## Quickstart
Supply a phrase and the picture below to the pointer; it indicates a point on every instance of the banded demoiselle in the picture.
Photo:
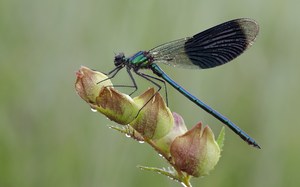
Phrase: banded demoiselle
(210, 48)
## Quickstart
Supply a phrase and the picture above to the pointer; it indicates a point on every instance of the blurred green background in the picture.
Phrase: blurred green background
(50, 137)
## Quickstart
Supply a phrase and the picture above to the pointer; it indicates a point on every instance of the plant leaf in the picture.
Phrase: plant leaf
(221, 138)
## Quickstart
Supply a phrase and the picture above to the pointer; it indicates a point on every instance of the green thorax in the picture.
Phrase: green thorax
(139, 59)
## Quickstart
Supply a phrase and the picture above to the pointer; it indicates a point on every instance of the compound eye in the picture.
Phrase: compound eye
(119, 59)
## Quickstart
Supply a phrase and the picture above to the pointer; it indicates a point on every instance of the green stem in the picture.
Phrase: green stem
(182, 177)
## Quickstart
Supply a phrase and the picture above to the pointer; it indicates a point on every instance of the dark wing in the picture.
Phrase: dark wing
(210, 48)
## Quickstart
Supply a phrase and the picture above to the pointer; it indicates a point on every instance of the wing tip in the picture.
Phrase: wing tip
(250, 28)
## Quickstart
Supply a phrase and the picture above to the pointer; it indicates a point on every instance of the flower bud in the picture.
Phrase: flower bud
(155, 119)
(196, 152)
(178, 129)
(116, 106)
(87, 86)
